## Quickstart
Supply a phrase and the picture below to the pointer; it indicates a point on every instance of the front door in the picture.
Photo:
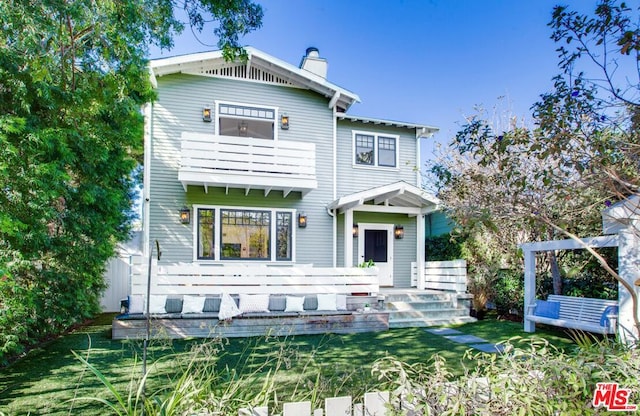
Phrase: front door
(376, 243)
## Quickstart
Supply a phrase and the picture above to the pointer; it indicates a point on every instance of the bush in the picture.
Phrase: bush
(509, 291)
(540, 380)
(443, 248)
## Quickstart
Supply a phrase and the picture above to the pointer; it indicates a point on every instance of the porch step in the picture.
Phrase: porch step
(419, 323)
(413, 308)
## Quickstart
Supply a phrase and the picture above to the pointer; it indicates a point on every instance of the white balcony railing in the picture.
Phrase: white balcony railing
(247, 163)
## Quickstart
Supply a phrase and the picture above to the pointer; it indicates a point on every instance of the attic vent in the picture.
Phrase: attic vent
(240, 71)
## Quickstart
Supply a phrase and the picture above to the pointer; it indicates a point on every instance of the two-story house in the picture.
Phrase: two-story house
(260, 162)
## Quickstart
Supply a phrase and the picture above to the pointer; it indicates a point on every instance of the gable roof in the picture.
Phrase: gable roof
(259, 66)
(399, 194)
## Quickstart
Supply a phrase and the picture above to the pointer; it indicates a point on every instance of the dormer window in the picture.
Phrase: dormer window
(246, 121)
(372, 149)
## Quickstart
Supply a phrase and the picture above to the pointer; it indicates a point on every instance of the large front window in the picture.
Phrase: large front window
(245, 235)
(246, 121)
(226, 233)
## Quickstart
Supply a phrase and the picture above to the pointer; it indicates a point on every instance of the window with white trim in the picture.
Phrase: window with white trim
(372, 149)
(230, 233)
(246, 120)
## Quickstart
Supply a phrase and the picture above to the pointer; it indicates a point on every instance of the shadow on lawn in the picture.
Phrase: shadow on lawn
(46, 379)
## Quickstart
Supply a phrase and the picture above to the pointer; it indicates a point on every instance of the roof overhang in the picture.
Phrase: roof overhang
(203, 63)
(421, 130)
(398, 197)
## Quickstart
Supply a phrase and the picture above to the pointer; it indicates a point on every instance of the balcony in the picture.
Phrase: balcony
(240, 162)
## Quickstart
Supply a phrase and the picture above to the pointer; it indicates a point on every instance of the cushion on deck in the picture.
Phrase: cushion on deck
(294, 304)
(135, 304)
(254, 303)
(327, 302)
(211, 305)
(193, 304)
(173, 305)
(277, 302)
(310, 303)
(547, 309)
(604, 319)
(228, 307)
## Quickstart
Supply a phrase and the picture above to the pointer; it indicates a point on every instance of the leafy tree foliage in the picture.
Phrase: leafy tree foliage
(73, 79)
(555, 177)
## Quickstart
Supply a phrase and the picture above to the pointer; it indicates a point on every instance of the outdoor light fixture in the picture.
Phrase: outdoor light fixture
(206, 114)
(243, 128)
(185, 215)
(302, 220)
(354, 230)
(284, 122)
(398, 232)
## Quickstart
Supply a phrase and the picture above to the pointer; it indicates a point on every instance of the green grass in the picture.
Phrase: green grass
(46, 379)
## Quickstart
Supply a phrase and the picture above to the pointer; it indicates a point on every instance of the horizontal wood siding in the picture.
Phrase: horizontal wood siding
(437, 223)
(353, 179)
(179, 108)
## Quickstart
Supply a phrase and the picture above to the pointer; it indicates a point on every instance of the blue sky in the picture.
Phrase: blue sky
(421, 61)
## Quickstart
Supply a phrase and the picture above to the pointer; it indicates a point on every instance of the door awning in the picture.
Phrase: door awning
(397, 197)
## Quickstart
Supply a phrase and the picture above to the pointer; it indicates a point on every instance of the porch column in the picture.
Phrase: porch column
(348, 238)
(420, 255)
(629, 270)
(529, 286)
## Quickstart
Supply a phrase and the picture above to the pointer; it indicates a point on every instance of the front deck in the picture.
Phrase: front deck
(367, 307)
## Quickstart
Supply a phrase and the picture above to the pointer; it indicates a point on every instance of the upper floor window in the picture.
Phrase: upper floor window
(246, 121)
(371, 149)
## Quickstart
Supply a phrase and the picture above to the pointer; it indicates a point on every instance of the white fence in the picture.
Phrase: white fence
(442, 275)
(189, 279)
(116, 276)
(374, 405)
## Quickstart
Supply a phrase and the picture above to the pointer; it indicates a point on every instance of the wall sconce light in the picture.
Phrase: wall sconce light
(243, 128)
(354, 230)
(302, 220)
(206, 114)
(284, 122)
(185, 215)
(398, 232)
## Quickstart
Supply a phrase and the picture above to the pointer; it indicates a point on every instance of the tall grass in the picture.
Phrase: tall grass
(198, 381)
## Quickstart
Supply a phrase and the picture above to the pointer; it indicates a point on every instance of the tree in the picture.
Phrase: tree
(73, 78)
(582, 154)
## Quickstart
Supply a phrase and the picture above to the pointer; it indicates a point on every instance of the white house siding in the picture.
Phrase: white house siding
(404, 250)
(353, 179)
(179, 108)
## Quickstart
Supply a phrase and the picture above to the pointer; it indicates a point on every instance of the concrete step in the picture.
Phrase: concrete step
(418, 297)
(422, 305)
(426, 322)
(426, 314)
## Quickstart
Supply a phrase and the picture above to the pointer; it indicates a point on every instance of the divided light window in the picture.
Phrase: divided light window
(246, 121)
(375, 150)
(244, 234)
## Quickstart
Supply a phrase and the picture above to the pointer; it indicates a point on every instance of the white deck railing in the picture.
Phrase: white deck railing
(242, 162)
(442, 275)
(188, 279)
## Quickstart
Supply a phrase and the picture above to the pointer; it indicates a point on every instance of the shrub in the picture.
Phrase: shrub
(539, 380)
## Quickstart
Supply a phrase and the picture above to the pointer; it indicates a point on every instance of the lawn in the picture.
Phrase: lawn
(49, 377)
